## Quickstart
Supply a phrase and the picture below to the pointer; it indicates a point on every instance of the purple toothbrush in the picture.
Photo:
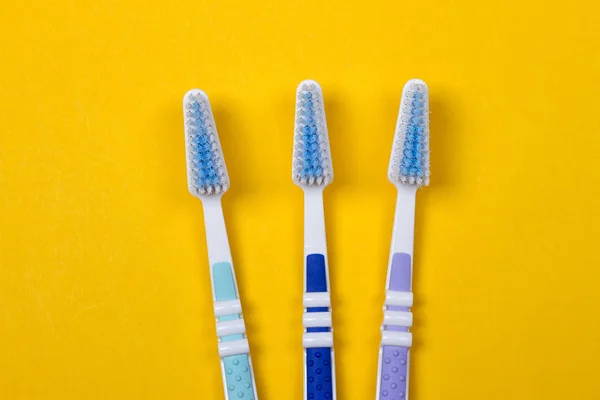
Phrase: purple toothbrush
(408, 170)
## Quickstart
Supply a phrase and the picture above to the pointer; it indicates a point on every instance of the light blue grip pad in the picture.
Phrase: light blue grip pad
(238, 376)
(319, 385)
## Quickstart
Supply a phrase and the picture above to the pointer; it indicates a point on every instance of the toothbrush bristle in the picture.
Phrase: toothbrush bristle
(409, 163)
(206, 171)
(311, 165)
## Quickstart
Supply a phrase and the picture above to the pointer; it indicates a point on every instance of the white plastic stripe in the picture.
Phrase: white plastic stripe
(317, 339)
(317, 319)
(397, 318)
(395, 298)
(392, 338)
(317, 299)
(228, 307)
(233, 327)
(234, 348)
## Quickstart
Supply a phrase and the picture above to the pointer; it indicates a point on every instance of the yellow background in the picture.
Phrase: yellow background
(104, 289)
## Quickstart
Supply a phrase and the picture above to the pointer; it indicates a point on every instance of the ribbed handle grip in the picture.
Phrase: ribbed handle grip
(396, 338)
(318, 336)
(233, 346)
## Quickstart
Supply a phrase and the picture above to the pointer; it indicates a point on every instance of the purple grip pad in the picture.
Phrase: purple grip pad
(394, 360)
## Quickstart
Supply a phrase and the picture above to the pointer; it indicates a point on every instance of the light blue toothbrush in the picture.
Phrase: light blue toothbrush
(208, 180)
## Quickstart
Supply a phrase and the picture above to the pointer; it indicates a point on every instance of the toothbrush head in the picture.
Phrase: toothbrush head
(311, 164)
(409, 163)
(206, 171)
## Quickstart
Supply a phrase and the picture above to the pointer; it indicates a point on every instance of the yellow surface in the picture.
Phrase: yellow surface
(104, 290)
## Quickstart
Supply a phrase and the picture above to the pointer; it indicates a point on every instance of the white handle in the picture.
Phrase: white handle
(216, 233)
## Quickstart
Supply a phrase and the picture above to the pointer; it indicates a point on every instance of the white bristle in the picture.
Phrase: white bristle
(411, 147)
(206, 170)
(311, 165)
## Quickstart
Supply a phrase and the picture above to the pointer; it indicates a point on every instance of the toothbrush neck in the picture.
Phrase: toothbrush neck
(404, 220)
(216, 233)
(314, 222)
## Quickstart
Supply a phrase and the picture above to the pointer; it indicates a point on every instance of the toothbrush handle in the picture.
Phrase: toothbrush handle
(396, 340)
(319, 376)
(234, 351)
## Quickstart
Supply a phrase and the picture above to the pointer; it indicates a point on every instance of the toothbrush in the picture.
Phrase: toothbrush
(408, 170)
(312, 171)
(208, 180)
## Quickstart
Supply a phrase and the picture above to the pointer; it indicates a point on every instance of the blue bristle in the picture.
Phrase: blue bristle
(312, 159)
(205, 159)
(413, 156)
(414, 151)
(311, 163)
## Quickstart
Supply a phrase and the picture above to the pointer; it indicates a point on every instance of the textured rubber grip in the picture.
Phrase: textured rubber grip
(237, 368)
(394, 370)
(393, 379)
(238, 378)
(319, 380)
(319, 360)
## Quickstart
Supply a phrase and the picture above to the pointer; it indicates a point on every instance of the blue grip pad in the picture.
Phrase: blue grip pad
(316, 275)
(319, 385)
(238, 376)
